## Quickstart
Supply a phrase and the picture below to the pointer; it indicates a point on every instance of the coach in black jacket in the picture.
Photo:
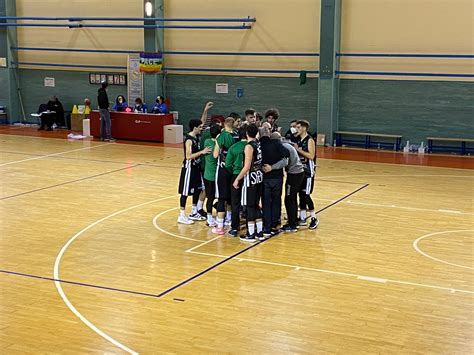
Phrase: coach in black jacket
(273, 152)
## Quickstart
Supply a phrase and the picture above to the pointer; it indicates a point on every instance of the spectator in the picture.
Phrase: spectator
(120, 104)
(56, 106)
(160, 106)
(140, 106)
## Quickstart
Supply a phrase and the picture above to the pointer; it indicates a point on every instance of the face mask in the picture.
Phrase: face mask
(293, 130)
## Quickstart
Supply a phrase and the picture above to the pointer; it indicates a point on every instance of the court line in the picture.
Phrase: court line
(54, 154)
(8, 272)
(299, 267)
(189, 279)
(342, 198)
(417, 248)
(399, 207)
(204, 243)
(93, 160)
(68, 182)
(60, 289)
(332, 272)
(155, 223)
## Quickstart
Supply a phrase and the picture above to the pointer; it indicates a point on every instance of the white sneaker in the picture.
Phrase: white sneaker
(184, 220)
(227, 222)
(197, 217)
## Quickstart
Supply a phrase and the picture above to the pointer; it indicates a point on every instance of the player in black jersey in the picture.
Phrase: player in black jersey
(252, 176)
(306, 149)
(190, 182)
(272, 115)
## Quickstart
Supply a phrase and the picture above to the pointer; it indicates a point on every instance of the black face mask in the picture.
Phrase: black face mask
(157, 101)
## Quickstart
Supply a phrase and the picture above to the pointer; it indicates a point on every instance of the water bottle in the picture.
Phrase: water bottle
(378, 147)
(421, 149)
(406, 149)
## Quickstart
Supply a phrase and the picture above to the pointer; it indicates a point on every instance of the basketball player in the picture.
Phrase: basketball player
(190, 182)
(306, 149)
(210, 166)
(223, 179)
(252, 176)
(234, 163)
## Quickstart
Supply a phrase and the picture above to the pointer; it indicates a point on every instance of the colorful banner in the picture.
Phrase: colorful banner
(151, 62)
(135, 78)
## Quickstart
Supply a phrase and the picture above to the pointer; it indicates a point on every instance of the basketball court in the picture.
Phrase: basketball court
(93, 261)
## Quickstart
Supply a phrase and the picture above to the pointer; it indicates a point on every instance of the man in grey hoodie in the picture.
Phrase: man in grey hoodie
(294, 180)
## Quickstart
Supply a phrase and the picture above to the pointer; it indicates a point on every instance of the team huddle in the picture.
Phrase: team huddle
(237, 168)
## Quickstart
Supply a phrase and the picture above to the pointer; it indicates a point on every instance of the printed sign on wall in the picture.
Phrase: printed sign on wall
(49, 82)
(135, 78)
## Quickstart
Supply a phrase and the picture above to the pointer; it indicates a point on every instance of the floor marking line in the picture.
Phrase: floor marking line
(155, 223)
(68, 182)
(417, 248)
(373, 279)
(341, 199)
(59, 286)
(450, 211)
(204, 243)
(54, 154)
(189, 279)
(394, 206)
(8, 272)
(338, 273)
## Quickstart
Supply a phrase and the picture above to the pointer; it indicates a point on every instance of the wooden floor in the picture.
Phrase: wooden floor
(389, 270)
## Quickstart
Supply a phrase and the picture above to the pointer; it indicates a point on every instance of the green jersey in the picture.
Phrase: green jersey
(225, 141)
(210, 163)
(235, 158)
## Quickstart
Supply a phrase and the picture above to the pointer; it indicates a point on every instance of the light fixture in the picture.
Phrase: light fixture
(148, 8)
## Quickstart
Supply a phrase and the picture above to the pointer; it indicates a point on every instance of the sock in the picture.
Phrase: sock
(259, 226)
(251, 228)
(303, 214)
(313, 214)
(210, 219)
(182, 213)
(194, 209)
(228, 215)
(199, 205)
(220, 222)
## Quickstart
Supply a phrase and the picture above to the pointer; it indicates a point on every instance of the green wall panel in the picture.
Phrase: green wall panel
(189, 93)
(415, 109)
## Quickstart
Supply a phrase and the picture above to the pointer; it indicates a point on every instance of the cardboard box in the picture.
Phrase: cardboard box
(76, 121)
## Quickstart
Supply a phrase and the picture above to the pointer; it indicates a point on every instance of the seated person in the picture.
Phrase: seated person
(46, 115)
(140, 106)
(120, 104)
(55, 105)
(160, 106)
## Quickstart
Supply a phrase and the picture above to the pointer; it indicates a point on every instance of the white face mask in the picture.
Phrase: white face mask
(293, 130)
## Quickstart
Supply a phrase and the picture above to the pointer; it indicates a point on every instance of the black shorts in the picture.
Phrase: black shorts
(223, 184)
(210, 187)
(190, 180)
(307, 185)
(251, 194)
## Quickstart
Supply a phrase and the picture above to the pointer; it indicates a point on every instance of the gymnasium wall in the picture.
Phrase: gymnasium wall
(85, 38)
(281, 26)
(414, 107)
(407, 26)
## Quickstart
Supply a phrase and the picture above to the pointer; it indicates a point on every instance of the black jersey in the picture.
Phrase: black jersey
(308, 164)
(195, 147)
(255, 174)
